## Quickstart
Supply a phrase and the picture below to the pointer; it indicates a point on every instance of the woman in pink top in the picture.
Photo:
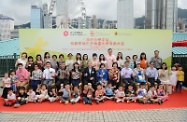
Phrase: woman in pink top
(110, 59)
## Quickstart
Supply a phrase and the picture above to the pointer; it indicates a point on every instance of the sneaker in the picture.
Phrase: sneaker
(103, 101)
(84, 102)
(127, 101)
(97, 102)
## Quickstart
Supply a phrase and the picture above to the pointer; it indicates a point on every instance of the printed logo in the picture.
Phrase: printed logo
(66, 33)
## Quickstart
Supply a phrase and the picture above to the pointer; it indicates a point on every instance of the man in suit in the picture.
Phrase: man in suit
(90, 75)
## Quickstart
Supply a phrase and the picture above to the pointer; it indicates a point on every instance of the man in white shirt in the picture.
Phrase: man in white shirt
(48, 75)
(152, 74)
(127, 74)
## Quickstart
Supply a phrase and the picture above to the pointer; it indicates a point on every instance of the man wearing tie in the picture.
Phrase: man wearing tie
(90, 75)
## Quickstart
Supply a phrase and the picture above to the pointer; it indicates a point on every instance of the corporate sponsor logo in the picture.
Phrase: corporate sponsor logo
(99, 33)
(73, 33)
(122, 34)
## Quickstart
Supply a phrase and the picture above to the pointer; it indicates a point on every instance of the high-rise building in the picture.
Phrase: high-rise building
(125, 14)
(6, 26)
(161, 14)
(94, 22)
(36, 17)
(88, 22)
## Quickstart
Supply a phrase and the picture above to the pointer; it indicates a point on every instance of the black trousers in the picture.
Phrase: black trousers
(61, 81)
(128, 81)
(152, 81)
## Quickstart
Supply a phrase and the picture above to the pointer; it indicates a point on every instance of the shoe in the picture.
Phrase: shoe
(159, 102)
(60, 101)
(90, 102)
(84, 102)
(66, 102)
(103, 101)
(127, 101)
(97, 102)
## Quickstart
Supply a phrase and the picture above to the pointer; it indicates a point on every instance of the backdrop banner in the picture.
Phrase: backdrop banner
(88, 41)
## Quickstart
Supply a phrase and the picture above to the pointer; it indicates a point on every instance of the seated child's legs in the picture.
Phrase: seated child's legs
(85, 99)
(109, 97)
(64, 99)
(164, 98)
(77, 99)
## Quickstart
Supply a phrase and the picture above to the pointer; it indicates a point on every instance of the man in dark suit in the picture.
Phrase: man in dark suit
(90, 75)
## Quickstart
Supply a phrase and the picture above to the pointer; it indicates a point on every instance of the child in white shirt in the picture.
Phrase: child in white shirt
(11, 98)
(120, 94)
(43, 94)
(31, 95)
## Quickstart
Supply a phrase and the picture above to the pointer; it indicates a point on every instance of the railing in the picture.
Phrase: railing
(182, 60)
(7, 63)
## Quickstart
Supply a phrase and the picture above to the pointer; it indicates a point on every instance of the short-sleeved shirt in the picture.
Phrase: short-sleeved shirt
(32, 94)
(151, 93)
(109, 91)
(22, 74)
(110, 60)
(141, 92)
(49, 73)
(99, 92)
(66, 93)
(130, 92)
(37, 75)
(24, 95)
(120, 93)
(180, 75)
(62, 74)
(12, 97)
(7, 82)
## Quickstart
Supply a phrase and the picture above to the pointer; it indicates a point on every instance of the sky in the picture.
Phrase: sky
(19, 10)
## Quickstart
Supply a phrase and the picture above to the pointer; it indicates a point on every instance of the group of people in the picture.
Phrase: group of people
(104, 78)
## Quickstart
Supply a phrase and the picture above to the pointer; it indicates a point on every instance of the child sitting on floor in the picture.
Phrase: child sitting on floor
(14, 80)
(99, 94)
(109, 91)
(142, 93)
(11, 98)
(53, 95)
(31, 95)
(88, 94)
(43, 94)
(161, 93)
(21, 97)
(152, 95)
(66, 94)
(130, 94)
(6, 85)
(120, 94)
(76, 95)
